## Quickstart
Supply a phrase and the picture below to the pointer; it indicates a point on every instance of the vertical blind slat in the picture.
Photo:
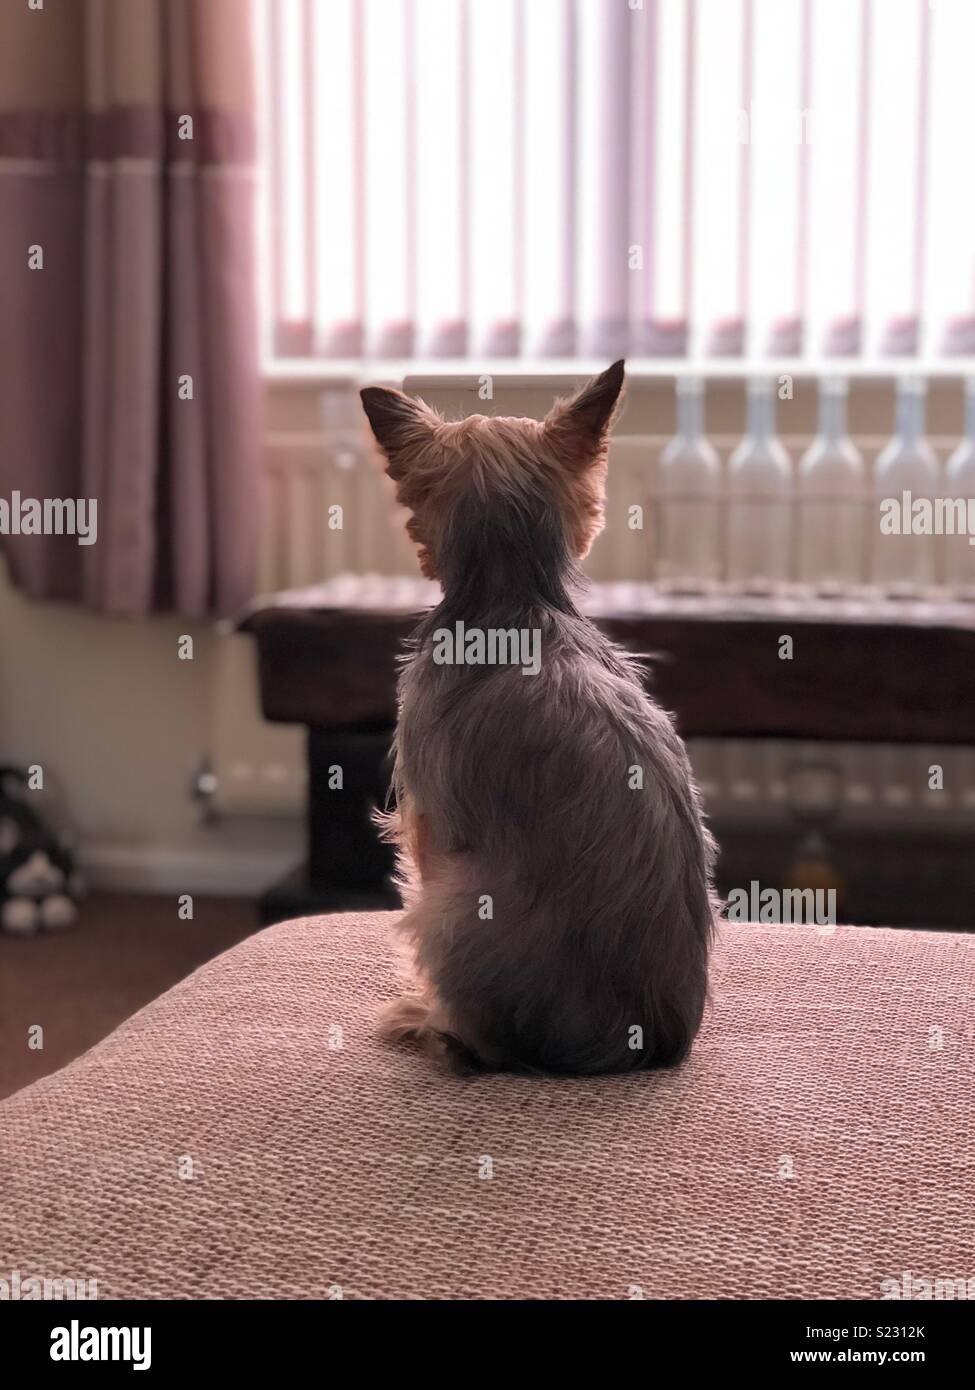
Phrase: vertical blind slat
(735, 341)
(409, 141)
(309, 123)
(439, 211)
(690, 113)
(802, 208)
(644, 170)
(921, 192)
(567, 335)
(359, 168)
(863, 146)
(464, 202)
(603, 250)
(275, 202)
(547, 211)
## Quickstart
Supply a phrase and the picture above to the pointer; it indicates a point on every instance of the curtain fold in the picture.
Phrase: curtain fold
(128, 356)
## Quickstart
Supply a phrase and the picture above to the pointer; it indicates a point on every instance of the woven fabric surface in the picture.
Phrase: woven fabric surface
(246, 1135)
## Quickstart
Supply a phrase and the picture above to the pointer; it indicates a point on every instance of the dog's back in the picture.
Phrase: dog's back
(567, 923)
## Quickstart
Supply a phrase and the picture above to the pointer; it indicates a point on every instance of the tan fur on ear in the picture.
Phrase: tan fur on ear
(407, 432)
(400, 424)
(580, 426)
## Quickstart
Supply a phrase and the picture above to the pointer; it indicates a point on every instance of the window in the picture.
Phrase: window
(587, 178)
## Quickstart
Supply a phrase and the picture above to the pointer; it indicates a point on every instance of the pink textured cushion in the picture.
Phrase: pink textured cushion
(818, 1141)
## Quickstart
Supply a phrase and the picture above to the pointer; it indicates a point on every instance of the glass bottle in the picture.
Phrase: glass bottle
(830, 532)
(907, 470)
(689, 496)
(960, 548)
(759, 497)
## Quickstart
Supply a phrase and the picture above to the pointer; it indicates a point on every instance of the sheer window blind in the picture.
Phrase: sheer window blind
(556, 178)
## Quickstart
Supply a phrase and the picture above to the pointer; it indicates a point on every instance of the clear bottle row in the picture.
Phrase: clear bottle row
(831, 524)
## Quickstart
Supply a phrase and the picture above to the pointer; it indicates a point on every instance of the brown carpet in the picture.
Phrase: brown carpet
(248, 1135)
(81, 984)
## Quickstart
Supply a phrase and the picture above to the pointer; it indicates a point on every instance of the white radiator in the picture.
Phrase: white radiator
(326, 509)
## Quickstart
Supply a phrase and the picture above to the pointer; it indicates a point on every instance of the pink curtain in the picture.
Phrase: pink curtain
(128, 353)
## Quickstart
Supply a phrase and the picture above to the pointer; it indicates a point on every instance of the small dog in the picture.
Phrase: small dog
(563, 913)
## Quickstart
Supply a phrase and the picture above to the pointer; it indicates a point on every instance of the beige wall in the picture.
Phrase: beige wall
(106, 704)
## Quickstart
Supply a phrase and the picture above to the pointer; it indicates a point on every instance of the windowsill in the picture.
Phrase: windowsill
(647, 371)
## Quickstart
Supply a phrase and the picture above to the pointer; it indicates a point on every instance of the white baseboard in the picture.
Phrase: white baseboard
(215, 863)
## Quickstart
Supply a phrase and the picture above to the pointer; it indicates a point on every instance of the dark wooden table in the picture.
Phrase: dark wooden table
(868, 669)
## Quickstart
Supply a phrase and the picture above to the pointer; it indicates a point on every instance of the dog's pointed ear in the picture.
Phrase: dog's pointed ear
(580, 425)
(399, 422)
